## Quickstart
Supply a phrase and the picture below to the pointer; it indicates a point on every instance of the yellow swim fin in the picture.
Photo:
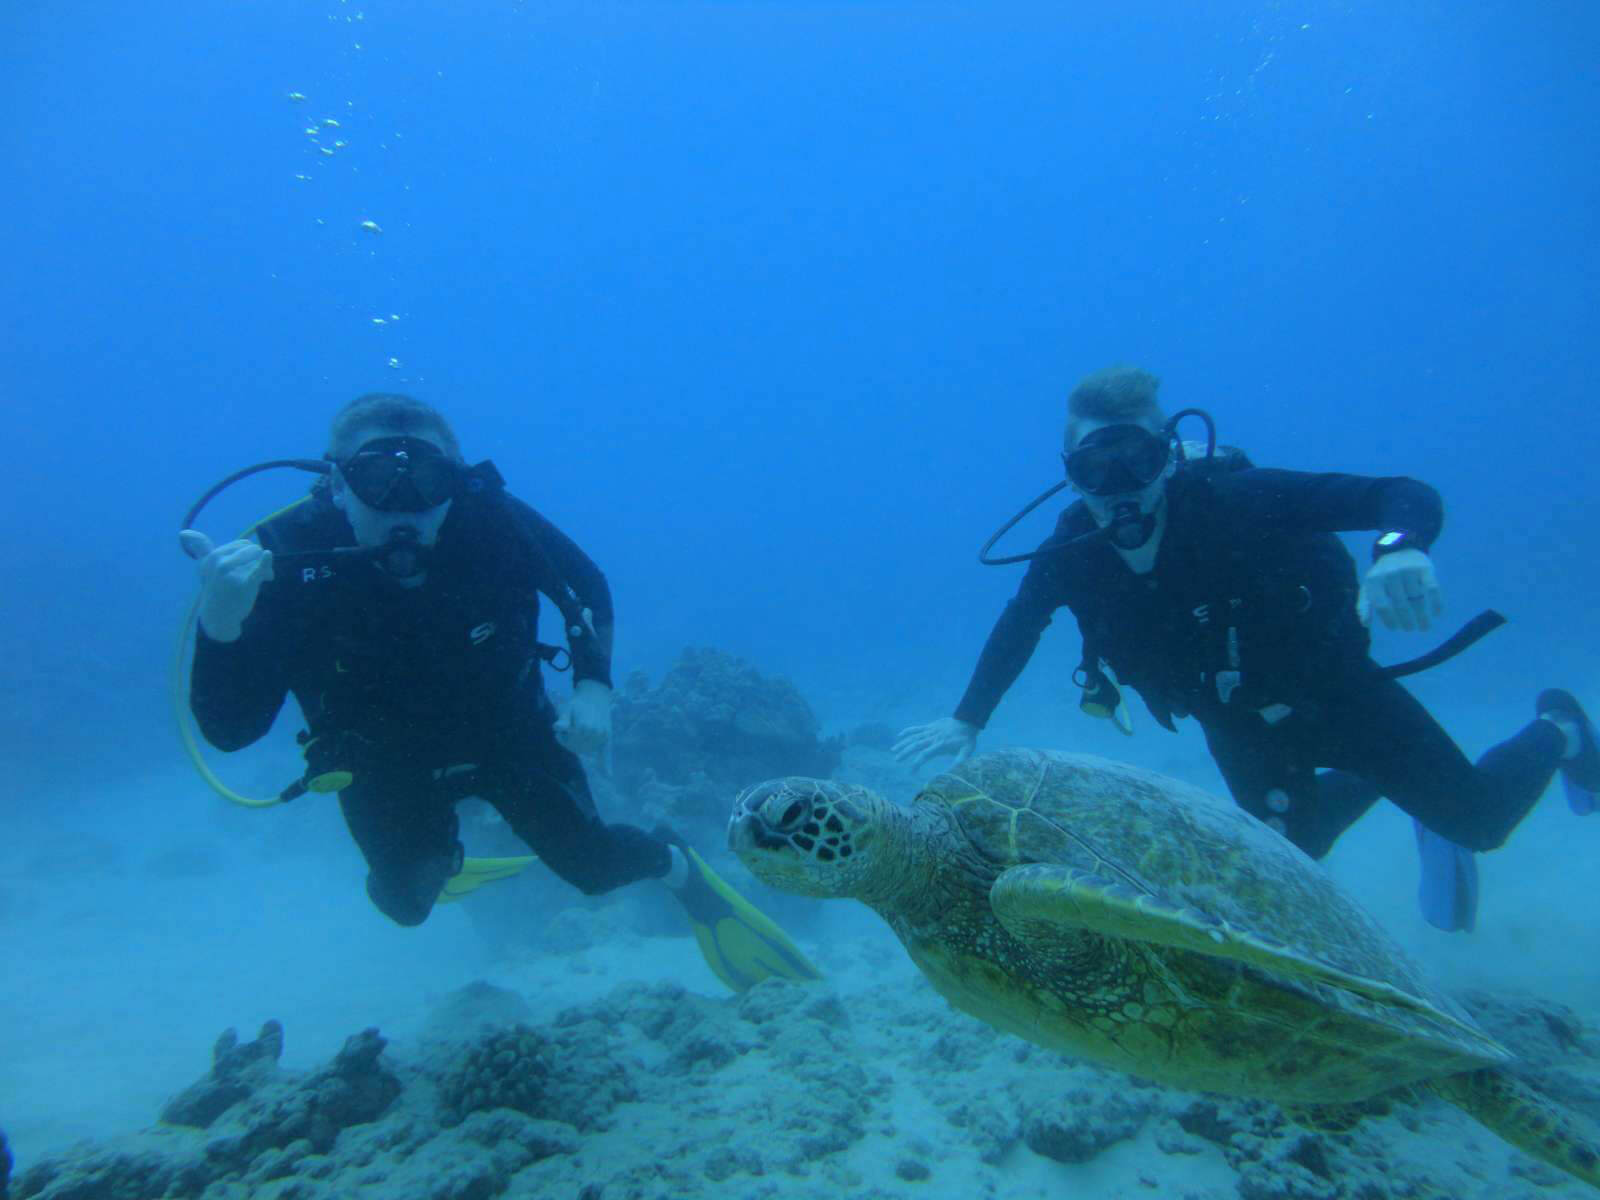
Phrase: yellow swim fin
(475, 872)
(742, 945)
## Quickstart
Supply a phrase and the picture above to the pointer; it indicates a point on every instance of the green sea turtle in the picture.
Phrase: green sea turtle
(1126, 918)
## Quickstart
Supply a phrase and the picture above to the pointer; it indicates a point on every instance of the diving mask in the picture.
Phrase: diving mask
(401, 474)
(1118, 459)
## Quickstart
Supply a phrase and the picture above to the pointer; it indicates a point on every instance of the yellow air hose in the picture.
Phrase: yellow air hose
(180, 698)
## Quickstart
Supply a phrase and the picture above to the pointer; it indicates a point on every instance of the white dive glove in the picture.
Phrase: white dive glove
(231, 576)
(948, 735)
(1401, 588)
(584, 726)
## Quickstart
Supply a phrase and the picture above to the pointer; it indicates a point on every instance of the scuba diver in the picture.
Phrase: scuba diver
(1219, 590)
(399, 604)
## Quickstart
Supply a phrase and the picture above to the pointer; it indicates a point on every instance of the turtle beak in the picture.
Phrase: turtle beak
(741, 833)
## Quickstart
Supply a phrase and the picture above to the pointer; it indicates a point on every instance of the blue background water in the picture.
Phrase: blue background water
(774, 307)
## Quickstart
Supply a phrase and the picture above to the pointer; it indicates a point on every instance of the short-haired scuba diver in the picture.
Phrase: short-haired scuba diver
(399, 604)
(1219, 590)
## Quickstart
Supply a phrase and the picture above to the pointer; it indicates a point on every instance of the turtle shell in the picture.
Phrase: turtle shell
(1166, 839)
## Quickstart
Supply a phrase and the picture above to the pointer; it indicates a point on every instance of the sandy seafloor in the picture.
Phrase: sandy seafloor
(126, 953)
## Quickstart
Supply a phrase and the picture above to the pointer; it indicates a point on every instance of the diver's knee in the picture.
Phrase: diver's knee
(1316, 845)
(589, 873)
(407, 906)
(1481, 841)
(589, 882)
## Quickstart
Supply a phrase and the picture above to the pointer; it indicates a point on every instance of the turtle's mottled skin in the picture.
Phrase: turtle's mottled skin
(1126, 918)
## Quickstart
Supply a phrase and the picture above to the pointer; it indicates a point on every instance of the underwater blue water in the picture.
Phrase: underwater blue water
(774, 306)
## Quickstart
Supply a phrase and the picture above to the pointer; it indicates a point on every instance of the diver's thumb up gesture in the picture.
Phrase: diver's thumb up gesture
(230, 577)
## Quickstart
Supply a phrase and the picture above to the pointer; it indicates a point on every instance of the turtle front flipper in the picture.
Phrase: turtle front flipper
(1527, 1119)
(1056, 896)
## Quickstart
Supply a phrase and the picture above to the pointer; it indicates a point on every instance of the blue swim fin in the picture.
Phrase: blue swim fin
(1580, 775)
(1580, 799)
(1448, 891)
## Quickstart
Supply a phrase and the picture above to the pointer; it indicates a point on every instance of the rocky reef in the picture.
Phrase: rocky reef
(244, 1125)
(711, 726)
(655, 1093)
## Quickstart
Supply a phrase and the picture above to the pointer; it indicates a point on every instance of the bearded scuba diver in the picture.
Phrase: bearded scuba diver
(1219, 590)
(398, 602)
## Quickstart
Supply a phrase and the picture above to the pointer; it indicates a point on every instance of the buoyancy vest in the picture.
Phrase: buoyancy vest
(1230, 618)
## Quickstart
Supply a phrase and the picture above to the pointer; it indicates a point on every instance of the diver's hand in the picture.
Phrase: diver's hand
(585, 726)
(948, 735)
(1402, 590)
(231, 576)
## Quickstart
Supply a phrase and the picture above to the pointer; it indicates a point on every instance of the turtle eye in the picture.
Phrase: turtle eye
(790, 818)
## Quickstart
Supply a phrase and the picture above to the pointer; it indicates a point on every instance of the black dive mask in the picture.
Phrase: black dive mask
(401, 474)
(1118, 459)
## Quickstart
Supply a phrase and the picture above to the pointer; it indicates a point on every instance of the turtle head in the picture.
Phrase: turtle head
(809, 836)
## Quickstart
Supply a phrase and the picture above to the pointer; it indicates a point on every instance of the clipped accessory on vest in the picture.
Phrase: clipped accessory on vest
(330, 762)
(557, 658)
(1229, 679)
(1102, 698)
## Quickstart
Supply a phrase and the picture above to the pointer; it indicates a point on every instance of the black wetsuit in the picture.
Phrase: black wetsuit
(1251, 605)
(407, 687)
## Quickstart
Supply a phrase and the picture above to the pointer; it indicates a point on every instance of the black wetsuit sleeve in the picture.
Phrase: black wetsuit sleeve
(1016, 634)
(236, 688)
(1302, 502)
(572, 568)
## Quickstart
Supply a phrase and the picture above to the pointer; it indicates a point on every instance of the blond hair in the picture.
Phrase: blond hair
(391, 411)
(1114, 396)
